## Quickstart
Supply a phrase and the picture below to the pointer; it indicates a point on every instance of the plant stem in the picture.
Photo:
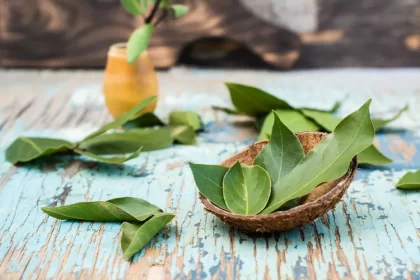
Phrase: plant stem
(163, 15)
(153, 12)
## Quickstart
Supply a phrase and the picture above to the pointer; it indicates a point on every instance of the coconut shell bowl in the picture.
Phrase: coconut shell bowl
(322, 199)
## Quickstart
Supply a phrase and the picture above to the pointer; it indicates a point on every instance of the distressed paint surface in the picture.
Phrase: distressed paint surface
(373, 233)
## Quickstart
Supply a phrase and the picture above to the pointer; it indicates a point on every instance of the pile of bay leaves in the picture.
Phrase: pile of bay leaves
(257, 103)
(130, 133)
(141, 220)
(281, 172)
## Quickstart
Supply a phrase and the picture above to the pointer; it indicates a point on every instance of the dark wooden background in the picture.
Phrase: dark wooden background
(77, 33)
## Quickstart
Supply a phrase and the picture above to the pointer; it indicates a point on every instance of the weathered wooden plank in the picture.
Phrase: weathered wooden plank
(363, 34)
(78, 34)
(373, 233)
(60, 33)
(327, 33)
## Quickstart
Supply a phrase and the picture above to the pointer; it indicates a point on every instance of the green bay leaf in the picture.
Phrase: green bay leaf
(25, 149)
(124, 118)
(324, 119)
(184, 134)
(209, 181)
(381, 123)
(253, 101)
(246, 189)
(294, 120)
(371, 155)
(138, 42)
(179, 10)
(228, 111)
(328, 160)
(337, 105)
(328, 121)
(138, 208)
(282, 153)
(121, 209)
(185, 118)
(129, 141)
(410, 181)
(135, 236)
(145, 120)
(133, 7)
(112, 160)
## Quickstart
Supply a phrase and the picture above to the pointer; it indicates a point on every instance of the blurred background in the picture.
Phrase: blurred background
(268, 34)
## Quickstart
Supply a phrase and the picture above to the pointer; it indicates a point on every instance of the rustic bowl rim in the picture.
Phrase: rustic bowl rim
(340, 187)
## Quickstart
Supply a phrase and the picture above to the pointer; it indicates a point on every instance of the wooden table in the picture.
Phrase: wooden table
(373, 233)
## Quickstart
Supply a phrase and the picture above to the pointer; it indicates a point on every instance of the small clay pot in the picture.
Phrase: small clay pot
(317, 203)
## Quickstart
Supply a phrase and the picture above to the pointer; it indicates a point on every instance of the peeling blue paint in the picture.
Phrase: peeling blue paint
(373, 232)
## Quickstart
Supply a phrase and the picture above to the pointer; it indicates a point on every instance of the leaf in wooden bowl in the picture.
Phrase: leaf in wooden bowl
(330, 161)
(246, 189)
(317, 203)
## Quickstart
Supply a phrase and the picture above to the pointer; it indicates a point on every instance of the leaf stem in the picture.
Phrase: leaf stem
(153, 12)
(162, 17)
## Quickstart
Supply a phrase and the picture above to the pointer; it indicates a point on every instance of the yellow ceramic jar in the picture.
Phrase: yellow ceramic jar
(127, 84)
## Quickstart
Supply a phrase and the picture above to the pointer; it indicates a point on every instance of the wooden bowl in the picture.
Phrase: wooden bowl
(317, 203)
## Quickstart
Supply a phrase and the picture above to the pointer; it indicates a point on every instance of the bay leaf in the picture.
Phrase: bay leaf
(292, 119)
(178, 10)
(184, 134)
(381, 123)
(246, 189)
(337, 105)
(209, 181)
(135, 236)
(139, 208)
(410, 181)
(329, 121)
(129, 141)
(133, 7)
(143, 121)
(282, 153)
(325, 119)
(121, 209)
(112, 160)
(139, 41)
(328, 160)
(189, 118)
(371, 155)
(228, 111)
(144, 4)
(124, 118)
(25, 149)
(253, 101)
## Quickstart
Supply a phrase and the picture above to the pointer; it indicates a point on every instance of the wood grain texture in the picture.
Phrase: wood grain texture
(361, 33)
(213, 18)
(373, 233)
(61, 33)
(78, 33)
(334, 33)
